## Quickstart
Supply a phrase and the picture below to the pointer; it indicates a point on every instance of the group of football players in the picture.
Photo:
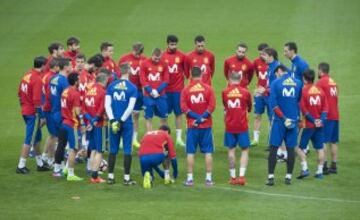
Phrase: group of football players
(96, 102)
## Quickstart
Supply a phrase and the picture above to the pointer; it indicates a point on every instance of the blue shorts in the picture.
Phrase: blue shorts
(316, 135)
(242, 139)
(139, 101)
(54, 123)
(260, 104)
(331, 131)
(173, 102)
(31, 123)
(50, 125)
(150, 162)
(126, 134)
(279, 133)
(156, 106)
(95, 139)
(199, 136)
(72, 136)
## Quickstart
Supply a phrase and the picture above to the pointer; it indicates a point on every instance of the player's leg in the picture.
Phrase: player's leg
(161, 109)
(136, 115)
(59, 153)
(29, 130)
(127, 134)
(207, 147)
(191, 144)
(149, 105)
(290, 143)
(145, 170)
(50, 144)
(259, 108)
(318, 143)
(277, 132)
(41, 166)
(96, 154)
(304, 141)
(230, 143)
(72, 140)
(114, 149)
(334, 147)
(174, 106)
(244, 142)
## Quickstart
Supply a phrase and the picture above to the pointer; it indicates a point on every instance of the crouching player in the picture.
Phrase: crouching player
(156, 148)
(94, 113)
(120, 100)
(314, 108)
(70, 112)
(237, 103)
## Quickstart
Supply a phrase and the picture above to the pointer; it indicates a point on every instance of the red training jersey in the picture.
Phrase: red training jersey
(157, 142)
(86, 80)
(94, 102)
(206, 62)
(152, 74)
(242, 66)
(70, 99)
(72, 56)
(331, 90)
(30, 91)
(46, 90)
(198, 97)
(237, 103)
(174, 66)
(135, 65)
(111, 66)
(313, 102)
(261, 67)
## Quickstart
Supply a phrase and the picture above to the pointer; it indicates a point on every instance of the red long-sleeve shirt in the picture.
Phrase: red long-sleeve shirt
(244, 67)
(205, 61)
(153, 74)
(30, 91)
(331, 90)
(156, 142)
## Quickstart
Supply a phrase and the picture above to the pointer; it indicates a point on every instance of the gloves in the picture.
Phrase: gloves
(115, 126)
(289, 123)
(154, 93)
(175, 167)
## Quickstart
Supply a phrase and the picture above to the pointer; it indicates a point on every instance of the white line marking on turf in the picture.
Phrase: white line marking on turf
(287, 195)
(293, 196)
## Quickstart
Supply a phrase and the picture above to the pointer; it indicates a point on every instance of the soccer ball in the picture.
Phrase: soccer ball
(103, 165)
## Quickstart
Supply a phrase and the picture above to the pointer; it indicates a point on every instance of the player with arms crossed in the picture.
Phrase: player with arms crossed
(285, 94)
(29, 93)
(314, 109)
(135, 58)
(237, 103)
(198, 103)
(120, 100)
(331, 126)
(174, 65)
(157, 148)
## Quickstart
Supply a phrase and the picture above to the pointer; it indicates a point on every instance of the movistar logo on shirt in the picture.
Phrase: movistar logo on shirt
(289, 82)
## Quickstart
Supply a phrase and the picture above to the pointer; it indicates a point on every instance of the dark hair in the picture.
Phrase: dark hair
(104, 71)
(195, 72)
(63, 62)
(81, 56)
(124, 68)
(72, 40)
(172, 38)
(309, 75)
(54, 63)
(324, 67)
(156, 52)
(54, 46)
(282, 68)
(73, 78)
(243, 45)
(97, 60)
(39, 61)
(165, 128)
(138, 47)
(262, 46)
(291, 46)
(199, 38)
(271, 52)
(105, 45)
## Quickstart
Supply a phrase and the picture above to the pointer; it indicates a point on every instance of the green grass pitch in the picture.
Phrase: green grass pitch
(324, 31)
